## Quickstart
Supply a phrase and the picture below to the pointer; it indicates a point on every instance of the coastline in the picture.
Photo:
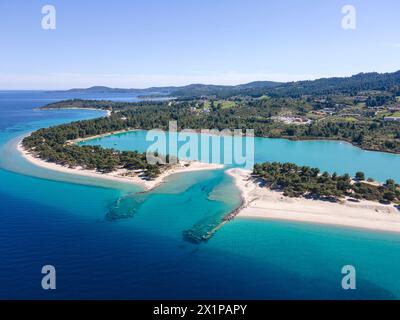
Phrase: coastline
(101, 135)
(121, 175)
(108, 112)
(337, 140)
(263, 203)
(343, 140)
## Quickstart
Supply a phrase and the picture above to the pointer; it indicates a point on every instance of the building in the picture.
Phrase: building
(292, 120)
(391, 119)
(329, 111)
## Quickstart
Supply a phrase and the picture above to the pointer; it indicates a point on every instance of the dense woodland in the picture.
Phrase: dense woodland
(347, 85)
(303, 181)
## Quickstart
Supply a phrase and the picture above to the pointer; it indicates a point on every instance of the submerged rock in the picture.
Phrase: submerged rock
(125, 207)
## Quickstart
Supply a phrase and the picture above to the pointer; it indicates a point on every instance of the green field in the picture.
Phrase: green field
(225, 104)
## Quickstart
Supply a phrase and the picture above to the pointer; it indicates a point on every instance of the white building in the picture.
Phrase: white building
(391, 119)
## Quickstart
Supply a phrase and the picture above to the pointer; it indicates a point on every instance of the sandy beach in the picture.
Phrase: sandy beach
(108, 112)
(75, 141)
(264, 203)
(122, 175)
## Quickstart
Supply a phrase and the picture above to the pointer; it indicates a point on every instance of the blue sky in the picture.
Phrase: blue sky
(123, 43)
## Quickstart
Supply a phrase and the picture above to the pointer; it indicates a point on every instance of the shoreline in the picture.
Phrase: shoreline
(370, 149)
(263, 203)
(102, 135)
(121, 175)
(108, 112)
(337, 140)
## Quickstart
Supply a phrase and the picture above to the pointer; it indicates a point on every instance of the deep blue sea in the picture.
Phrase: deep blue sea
(61, 220)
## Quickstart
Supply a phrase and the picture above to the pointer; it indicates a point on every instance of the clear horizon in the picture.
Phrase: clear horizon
(131, 44)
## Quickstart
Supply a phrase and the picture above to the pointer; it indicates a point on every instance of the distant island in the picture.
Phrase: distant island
(161, 91)
(351, 86)
(184, 91)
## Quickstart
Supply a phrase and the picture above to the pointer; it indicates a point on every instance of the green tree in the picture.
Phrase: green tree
(360, 176)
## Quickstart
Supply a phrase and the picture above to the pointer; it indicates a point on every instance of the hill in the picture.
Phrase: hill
(387, 82)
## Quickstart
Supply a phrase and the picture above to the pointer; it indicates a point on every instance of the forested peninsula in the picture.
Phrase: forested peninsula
(363, 110)
(52, 145)
(304, 181)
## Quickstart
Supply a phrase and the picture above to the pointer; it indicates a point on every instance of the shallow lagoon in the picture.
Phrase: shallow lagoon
(329, 156)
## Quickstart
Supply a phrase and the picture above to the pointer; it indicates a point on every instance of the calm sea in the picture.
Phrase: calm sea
(57, 219)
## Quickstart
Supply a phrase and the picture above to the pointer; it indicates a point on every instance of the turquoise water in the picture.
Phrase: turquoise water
(51, 218)
(329, 156)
